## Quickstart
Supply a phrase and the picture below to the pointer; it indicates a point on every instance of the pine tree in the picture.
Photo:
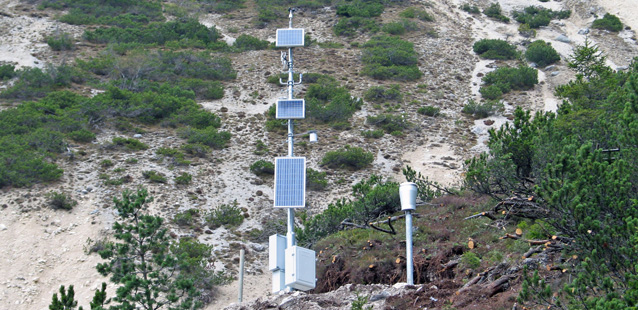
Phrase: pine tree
(67, 300)
(141, 260)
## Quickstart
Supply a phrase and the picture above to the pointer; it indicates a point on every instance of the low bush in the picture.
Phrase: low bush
(413, 12)
(208, 136)
(260, 148)
(175, 155)
(507, 79)
(491, 92)
(389, 122)
(481, 110)
(262, 167)
(383, 94)
(395, 28)
(154, 176)
(348, 27)
(315, 180)
(472, 9)
(81, 135)
(494, 11)
(116, 13)
(360, 8)
(541, 53)
(196, 149)
(182, 33)
(470, 260)
(373, 134)
(373, 197)
(106, 163)
(429, 111)
(387, 57)
(328, 102)
(36, 83)
(186, 218)
(536, 17)
(7, 72)
(526, 31)
(247, 42)
(495, 49)
(354, 158)
(61, 201)
(227, 215)
(608, 22)
(129, 143)
(60, 42)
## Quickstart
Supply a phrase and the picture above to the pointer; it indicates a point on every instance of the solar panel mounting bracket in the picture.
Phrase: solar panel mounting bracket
(293, 82)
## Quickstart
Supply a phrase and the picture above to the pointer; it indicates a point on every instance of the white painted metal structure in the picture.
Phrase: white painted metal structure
(407, 194)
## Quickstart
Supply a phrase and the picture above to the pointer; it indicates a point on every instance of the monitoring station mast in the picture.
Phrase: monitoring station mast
(293, 267)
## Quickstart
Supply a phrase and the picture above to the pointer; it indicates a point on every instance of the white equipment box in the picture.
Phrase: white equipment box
(300, 268)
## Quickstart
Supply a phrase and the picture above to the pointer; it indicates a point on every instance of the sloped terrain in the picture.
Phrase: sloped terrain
(45, 248)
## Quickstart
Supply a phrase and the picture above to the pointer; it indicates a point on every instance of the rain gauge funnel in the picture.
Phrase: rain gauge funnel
(407, 194)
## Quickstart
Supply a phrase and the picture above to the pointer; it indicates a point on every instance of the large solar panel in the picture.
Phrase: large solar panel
(290, 37)
(290, 182)
(290, 109)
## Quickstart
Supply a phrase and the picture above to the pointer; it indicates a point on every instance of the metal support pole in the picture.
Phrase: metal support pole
(241, 274)
(408, 246)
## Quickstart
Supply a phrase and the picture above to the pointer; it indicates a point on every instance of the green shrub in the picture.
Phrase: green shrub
(470, 260)
(328, 102)
(429, 111)
(315, 180)
(7, 72)
(82, 136)
(61, 201)
(387, 57)
(383, 94)
(60, 42)
(154, 176)
(208, 136)
(494, 11)
(260, 148)
(373, 198)
(389, 122)
(184, 32)
(176, 156)
(35, 82)
(507, 79)
(526, 31)
(227, 215)
(491, 92)
(262, 167)
(542, 53)
(608, 22)
(481, 110)
(348, 27)
(184, 178)
(360, 8)
(106, 163)
(354, 158)
(373, 134)
(395, 28)
(495, 49)
(186, 218)
(472, 9)
(246, 42)
(413, 12)
(536, 17)
(129, 143)
(116, 13)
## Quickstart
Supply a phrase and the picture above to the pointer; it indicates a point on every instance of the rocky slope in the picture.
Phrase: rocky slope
(43, 248)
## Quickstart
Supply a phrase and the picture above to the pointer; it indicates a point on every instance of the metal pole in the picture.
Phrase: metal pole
(290, 234)
(241, 274)
(408, 246)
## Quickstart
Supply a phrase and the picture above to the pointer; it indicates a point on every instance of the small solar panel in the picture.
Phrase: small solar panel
(291, 109)
(290, 37)
(290, 182)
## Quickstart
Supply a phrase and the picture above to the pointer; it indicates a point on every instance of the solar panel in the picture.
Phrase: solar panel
(290, 182)
(290, 109)
(290, 37)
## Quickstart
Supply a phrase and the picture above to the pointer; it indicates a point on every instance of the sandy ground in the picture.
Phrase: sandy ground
(42, 248)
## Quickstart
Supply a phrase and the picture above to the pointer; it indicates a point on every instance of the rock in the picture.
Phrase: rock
(89, 189)
(3, 227)
(563, 38)
(380, 296)
(550, 67)
(258, 247)
(583, 31)
(555, 73)
(137, 136)
(622, 68)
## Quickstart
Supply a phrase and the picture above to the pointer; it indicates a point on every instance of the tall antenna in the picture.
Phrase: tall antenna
(293, 267)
